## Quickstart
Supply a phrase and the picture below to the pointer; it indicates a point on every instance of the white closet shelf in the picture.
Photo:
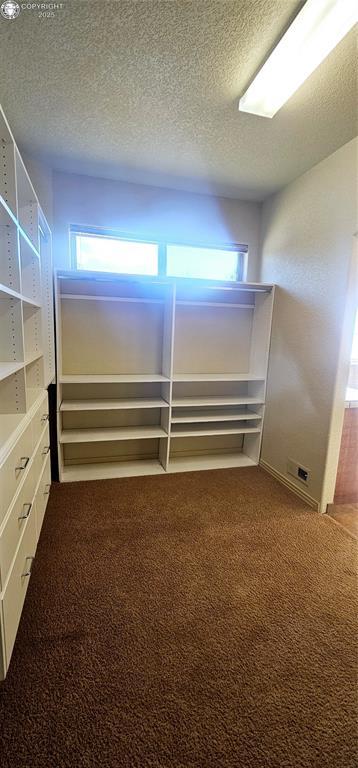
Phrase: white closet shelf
(227, 304)
(112, 378)
(181, 430)
(112, 433)
(126, 299)
(188, 402)
(9, 293)
(203, 415)
(217, 377)
(209, 461)
(7, 369)
(113, 405)
(107, 470)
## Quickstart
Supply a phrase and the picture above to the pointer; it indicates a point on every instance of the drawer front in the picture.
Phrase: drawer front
(39, 419)
(15, 592)
(12, 471)
(14, 524)
(42, 495)
(42, 452)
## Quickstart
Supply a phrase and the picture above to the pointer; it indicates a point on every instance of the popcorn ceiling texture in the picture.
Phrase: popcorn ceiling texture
(200, 620)
(148, 92)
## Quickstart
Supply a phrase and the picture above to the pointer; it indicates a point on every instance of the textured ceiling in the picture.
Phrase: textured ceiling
(147, 90)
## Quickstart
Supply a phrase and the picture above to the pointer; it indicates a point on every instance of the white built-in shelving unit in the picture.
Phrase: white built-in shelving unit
(158, 376)
(27, 366)
(27, 363)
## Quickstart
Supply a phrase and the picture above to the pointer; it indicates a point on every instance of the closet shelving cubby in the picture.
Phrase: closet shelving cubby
(157, 375)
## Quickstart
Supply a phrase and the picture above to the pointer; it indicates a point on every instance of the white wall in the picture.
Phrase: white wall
(152, 211)
(307, 234)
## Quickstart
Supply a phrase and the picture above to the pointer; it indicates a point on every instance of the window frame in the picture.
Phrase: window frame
(114, 234)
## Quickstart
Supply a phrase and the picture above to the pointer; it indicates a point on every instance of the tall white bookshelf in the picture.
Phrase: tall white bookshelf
(158, 376)
(27, 366)
(27, 360)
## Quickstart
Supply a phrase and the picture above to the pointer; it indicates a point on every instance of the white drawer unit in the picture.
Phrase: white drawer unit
(26, 370)
(15, 522)
(16, 587)
(22, 522)
(13, 468)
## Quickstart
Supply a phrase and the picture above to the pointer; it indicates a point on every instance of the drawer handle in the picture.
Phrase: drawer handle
(45, 417)
(24, 462)
(26, 509)
(47, 489)
(45, 450)
(28, 572)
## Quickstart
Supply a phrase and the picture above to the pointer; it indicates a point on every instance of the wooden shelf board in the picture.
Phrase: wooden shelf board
(102, 471)
(206, 431)
(112, 378)
(188, 402)
(177, 377)
(113, 405)
(209, 461)
(7, 369)
(202, 415)
(111, 433)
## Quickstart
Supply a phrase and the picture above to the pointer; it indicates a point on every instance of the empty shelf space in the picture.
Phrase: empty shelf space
(182, 430)
(187, 417)
(188, 402)
(113, 405)
(7, 369)
(217, 377)
(102, 470)
(210, 461)
(134, 378)
(117, 433)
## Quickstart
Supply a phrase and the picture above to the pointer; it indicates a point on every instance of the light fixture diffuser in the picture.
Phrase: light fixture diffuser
(316, 30)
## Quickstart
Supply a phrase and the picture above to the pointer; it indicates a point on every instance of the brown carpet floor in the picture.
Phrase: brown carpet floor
(185, 621)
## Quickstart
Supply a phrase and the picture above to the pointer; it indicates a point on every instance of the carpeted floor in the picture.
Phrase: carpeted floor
(204, 620)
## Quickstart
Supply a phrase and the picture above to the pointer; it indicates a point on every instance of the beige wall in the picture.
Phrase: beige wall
(307, 234)
(152, 211)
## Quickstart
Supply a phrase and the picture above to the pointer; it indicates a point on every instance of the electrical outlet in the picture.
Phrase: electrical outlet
(298, 471)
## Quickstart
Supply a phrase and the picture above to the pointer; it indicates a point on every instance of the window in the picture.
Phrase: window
(108, 252)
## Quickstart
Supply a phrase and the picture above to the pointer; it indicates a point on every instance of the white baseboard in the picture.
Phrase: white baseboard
(290, 485)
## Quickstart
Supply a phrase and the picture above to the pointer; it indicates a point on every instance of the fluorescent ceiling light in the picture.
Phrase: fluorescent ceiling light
(313, 34)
